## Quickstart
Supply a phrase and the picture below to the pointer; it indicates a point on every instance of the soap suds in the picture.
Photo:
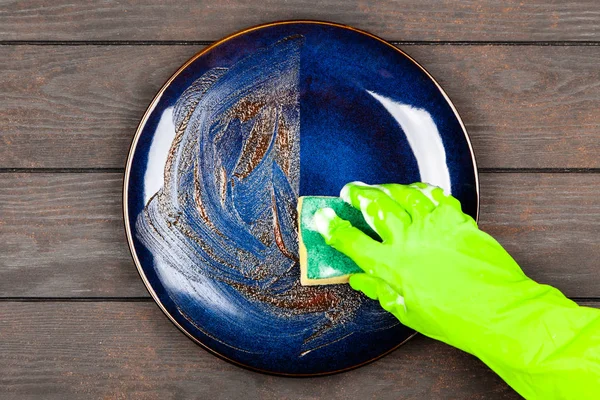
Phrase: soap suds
(322, 219)
(427, 191)
(326, 271)
(364, 203)
(345, 192)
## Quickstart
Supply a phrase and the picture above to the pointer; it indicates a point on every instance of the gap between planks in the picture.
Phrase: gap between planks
(480, 170)
(209, 42)
(589, 301)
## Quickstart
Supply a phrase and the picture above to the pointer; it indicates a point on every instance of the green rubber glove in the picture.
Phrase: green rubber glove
(442, 276)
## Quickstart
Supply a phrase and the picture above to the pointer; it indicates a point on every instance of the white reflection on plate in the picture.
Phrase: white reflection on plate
(424, 140)
(157, 155)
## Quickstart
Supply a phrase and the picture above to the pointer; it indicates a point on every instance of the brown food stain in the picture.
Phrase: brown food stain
(257, 144)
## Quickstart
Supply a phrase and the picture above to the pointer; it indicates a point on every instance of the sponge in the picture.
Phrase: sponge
(320, 264)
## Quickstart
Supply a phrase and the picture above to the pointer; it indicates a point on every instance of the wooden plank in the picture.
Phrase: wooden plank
(115, 350)
(78, 106)
(204, 20)
(550, 224)
(61, 234)
(525, 107)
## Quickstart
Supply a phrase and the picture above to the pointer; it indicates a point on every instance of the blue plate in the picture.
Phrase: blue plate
(226, 147)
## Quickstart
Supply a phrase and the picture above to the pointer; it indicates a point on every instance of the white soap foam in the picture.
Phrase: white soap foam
(345, 192)
(322, 220)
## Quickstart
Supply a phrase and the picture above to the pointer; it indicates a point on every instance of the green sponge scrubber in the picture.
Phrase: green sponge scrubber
(321, 264)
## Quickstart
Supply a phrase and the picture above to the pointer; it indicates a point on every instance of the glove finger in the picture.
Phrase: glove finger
(342, 236)
(449, 209)
(365, 283)
(440, 197)
(389, 298)
(380, 211)
(416, 203)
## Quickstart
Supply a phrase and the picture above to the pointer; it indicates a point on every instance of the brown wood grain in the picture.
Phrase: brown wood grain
(79, 106)
(61, 234)
(394, 20)
(116, 350)
(75, 87)
(550, 223)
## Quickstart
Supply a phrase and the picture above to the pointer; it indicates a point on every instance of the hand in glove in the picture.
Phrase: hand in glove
(442, 276)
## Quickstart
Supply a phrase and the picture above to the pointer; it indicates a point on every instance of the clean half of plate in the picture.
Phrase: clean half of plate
(229, 143)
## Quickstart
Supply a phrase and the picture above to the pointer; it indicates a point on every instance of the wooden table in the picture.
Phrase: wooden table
(75, 78)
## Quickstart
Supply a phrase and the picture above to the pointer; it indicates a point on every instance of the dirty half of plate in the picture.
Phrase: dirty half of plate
(225, 149)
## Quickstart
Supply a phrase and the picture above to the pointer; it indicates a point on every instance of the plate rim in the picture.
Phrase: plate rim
(150, 109)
